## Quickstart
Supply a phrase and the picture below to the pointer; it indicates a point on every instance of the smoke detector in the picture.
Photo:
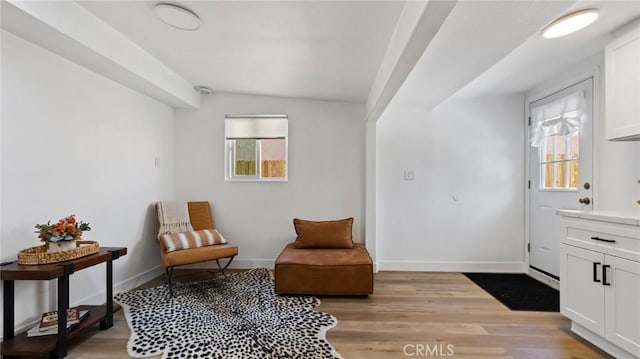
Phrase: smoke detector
(204, 90)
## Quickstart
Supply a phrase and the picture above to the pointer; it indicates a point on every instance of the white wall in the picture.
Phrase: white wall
(371, 192)
(326, 171)
(616, 163)
(74, 142)
(471, 149)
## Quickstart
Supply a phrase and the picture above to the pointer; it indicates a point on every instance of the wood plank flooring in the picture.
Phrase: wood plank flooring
(411, 315)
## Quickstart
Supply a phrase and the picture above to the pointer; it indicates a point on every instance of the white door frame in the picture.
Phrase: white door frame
(546, 89)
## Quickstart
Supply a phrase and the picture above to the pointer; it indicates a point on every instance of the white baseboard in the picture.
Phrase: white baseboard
(425, 266)
(123, 286)
(236, 264)
(98, 298)
(133, 282)
(246, 264)
(419, 266)
(551, 282)
(138, 280)
(253, 263)
(600, 342)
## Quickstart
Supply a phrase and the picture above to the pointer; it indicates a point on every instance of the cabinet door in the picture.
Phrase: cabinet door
(622, 85)
(622, 304)
(581, 297)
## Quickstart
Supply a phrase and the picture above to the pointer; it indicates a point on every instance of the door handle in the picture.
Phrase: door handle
(595, 272)
(604, 274)
(585, 200)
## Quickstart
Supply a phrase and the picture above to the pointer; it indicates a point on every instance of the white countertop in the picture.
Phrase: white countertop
(622, 217)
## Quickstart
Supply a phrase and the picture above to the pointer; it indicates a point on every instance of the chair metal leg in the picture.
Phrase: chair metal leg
(221, 270)
(169, 271)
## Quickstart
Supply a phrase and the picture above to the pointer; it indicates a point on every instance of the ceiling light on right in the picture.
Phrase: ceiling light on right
(570, 23)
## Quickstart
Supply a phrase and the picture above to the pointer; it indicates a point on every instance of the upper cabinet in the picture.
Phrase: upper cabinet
(622, 78)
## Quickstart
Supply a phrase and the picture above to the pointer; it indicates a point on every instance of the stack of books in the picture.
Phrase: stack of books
(49, 323)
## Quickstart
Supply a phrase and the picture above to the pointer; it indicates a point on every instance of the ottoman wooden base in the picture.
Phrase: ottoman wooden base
(324, 271)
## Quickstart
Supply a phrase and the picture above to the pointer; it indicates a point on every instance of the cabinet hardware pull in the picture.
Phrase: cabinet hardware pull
(595, 272)
(604, 274)
(604, 240)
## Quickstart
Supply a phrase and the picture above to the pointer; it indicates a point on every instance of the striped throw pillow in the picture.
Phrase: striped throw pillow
(192, 239)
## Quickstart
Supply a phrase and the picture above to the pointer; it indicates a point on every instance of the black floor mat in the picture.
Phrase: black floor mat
(518, 291)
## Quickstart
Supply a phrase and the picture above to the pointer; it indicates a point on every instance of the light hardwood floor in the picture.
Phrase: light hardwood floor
(409, 315)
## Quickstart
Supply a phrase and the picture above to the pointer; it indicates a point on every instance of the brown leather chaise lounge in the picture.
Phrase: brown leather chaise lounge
(324, 261)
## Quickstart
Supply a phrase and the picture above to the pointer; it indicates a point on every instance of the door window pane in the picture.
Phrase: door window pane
(560, 161)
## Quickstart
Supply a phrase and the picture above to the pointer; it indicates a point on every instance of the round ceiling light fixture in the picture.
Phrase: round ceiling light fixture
(177, 16)
(204, 90)
(570, 23)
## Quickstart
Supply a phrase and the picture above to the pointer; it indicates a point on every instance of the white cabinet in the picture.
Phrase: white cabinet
(581, 299)
(622, 84)
(622, 304)
(600, 280)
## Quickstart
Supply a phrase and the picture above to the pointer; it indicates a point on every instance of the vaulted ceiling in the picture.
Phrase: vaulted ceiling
(311, 49)
(373, 52)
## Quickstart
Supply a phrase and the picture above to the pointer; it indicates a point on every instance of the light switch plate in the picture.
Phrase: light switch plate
(409, 175)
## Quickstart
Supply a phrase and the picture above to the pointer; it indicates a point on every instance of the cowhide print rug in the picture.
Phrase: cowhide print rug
(239, 316)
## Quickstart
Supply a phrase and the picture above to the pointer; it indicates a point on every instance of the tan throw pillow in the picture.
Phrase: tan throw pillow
(325, 234)
(192, 239)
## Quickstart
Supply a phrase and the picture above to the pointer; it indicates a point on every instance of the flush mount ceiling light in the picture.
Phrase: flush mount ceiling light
(177, 16)
(570, 23)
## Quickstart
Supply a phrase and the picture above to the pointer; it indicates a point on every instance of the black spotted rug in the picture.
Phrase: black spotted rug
(239, 316)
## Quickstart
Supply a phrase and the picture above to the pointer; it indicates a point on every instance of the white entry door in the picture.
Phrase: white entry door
(561, 156)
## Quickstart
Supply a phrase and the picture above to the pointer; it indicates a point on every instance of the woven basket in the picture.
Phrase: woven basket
(39, 254)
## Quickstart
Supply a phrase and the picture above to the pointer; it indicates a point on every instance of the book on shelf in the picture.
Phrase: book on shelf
(49, 323)
(50, 319)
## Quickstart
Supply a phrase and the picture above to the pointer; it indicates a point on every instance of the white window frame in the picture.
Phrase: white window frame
(257, 127)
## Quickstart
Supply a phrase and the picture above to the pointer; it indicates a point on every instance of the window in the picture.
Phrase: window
(559, 161)
(556, 133)
(256, 148)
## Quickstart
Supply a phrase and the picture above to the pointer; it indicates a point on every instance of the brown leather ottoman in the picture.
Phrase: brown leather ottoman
(324, 271)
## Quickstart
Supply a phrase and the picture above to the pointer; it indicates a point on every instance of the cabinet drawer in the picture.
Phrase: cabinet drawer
(616, 240)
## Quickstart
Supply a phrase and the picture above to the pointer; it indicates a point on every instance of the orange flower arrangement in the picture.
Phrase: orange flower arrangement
(67, 229)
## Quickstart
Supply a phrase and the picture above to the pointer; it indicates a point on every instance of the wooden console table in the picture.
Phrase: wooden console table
(55, 345)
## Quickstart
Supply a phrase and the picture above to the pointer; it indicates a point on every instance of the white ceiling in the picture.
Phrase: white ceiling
(495, 47)
(538, 59)
(475, 36)
(327, 50)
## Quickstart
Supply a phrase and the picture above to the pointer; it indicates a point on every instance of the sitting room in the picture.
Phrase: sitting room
(320, 179)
